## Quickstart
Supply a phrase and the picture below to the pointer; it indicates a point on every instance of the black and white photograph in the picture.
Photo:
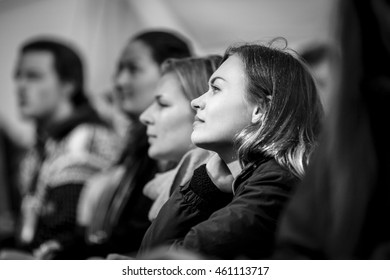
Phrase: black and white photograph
(246, 136)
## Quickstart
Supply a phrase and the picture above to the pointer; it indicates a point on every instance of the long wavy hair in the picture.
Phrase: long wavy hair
(282, 86)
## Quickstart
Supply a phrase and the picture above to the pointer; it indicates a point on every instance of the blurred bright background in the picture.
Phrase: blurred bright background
(100, 28)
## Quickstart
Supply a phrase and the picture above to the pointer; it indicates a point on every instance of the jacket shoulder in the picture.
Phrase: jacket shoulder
(269, 174)
(94, 139)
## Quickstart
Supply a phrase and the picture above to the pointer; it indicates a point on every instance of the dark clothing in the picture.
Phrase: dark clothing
(53, 173)
(201, 218)
(60, 225)
(10, 156)
(340, 210)
(119, 225)
(83, 115)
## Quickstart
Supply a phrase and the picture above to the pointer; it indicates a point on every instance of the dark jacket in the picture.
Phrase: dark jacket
(121, 219)
(53, 174)
(340, 217)
(201, 218)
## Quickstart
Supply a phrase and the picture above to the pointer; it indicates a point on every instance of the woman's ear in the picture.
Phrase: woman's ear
(256, 114)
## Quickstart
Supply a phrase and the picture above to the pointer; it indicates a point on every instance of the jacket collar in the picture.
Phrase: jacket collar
(59, 130)
(247, 172)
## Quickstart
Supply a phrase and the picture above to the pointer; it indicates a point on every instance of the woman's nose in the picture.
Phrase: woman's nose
(122, 79)
(146, 116)
(197, 103)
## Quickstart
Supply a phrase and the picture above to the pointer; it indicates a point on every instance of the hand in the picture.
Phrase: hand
(220, 174)
(118, 257)
(10, 254)
(47, 250)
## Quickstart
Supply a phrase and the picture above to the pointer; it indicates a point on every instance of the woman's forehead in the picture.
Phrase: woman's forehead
(232, 69)
(169, 87)
(136, 51)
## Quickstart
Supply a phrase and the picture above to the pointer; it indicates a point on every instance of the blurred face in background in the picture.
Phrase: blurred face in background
(169, 121)
(39, 90)
(223, 111)
(136, 78)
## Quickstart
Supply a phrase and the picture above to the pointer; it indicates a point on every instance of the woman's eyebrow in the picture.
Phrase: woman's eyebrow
(160, 97)
(216, 78)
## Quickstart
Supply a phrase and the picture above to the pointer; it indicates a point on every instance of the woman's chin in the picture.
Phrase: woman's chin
(200, 143)
(153, 154)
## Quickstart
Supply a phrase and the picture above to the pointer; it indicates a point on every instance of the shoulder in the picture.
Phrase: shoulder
(272, 169)
(93, 138)
(267, 176)
(86, 150)
(85, 133)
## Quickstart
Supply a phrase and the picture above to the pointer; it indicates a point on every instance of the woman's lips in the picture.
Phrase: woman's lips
(151, 137)
(151, 140)
(197, 121)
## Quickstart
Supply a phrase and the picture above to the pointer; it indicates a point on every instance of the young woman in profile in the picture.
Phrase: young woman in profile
(262, 116)
(113, 212)
(169, 126)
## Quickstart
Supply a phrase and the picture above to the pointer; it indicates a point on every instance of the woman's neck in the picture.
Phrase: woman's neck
(232, 162)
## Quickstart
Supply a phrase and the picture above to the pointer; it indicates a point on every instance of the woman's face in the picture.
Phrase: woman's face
(136, 79)
(169, 121)
(222, 112)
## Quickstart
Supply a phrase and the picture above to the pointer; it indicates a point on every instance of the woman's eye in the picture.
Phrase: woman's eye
(214, 88)
(162, 104)
(128, 66)
(132, 68)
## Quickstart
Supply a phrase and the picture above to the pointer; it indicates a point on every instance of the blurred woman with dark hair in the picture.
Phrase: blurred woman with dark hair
(113, 209)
